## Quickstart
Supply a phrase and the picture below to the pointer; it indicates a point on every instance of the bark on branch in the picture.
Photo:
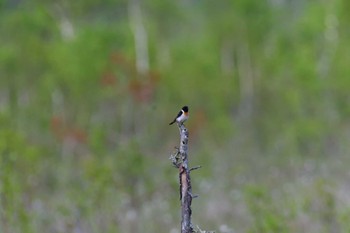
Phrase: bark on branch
(180, 160)
(185, 182)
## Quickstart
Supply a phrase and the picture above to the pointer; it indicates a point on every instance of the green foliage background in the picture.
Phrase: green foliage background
(84, 135)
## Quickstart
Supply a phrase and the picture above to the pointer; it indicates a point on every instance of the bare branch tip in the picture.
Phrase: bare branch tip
(193, 195)
(195, 168)
(198, 230)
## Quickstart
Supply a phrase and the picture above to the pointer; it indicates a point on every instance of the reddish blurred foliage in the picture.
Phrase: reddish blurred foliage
(140, 91)
(154, 77)
(57, 126)
(108, 79)
(62, 131)
(117, 58)
(143, 89)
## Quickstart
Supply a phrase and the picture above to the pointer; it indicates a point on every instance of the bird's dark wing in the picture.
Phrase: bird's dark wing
(179, 114)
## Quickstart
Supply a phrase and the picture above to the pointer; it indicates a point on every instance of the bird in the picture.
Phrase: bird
(182, 116)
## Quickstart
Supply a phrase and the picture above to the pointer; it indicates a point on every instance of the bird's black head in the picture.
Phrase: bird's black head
(185, 108)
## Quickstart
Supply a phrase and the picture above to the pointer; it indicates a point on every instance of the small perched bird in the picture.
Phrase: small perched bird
(182, 116)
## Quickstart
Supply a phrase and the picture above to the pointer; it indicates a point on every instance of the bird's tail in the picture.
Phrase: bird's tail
(172, 122)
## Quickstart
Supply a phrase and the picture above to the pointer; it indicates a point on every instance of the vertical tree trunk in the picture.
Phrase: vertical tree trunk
(140, 35)
(65, 24)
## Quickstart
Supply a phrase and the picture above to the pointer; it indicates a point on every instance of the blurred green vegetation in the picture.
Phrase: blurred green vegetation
(87, 89)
